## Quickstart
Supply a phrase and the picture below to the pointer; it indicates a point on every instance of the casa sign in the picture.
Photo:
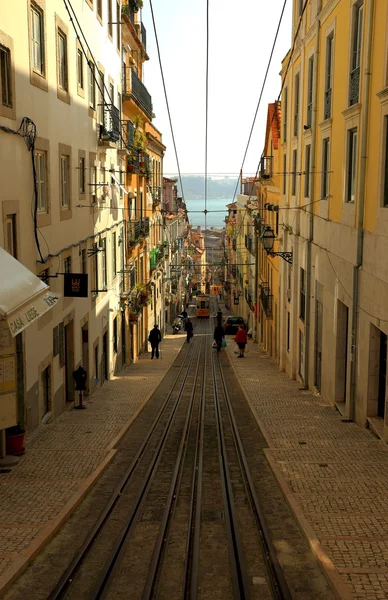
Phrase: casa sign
(23, 317)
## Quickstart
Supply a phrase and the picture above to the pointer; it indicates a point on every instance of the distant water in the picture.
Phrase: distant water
(214, 219)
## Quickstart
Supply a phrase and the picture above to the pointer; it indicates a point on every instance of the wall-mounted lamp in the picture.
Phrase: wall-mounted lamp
(267, 239)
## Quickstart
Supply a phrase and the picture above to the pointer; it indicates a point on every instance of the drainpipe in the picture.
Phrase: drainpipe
(310, 239)
(360, 208)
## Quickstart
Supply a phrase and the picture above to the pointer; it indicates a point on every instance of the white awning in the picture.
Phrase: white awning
(23, 296)
(119, 183)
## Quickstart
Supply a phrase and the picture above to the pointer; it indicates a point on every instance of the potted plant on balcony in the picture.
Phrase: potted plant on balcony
(136, 4)
(14, 440)
(131, 241)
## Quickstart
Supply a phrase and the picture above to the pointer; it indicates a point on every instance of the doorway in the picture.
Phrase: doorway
(318, 344)
(341, 363)
(69, 361)
(85, 353)
(382, 376)
(45, 388)
(105, 357)
(123, 344)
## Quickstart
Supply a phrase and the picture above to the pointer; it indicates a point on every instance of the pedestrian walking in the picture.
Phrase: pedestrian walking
(219, 318)
(189, 330)
(154, 338)
(184, 317)
(219, 335)
(241, 340)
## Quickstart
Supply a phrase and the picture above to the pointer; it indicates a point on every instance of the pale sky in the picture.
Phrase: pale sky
(241, 37)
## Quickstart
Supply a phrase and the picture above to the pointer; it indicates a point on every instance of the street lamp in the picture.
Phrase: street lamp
(267, 239)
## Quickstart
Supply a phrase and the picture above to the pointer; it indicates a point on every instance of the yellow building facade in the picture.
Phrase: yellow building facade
(334, 299)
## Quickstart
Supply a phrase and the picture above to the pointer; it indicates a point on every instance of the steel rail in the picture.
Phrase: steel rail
(190, 589)
(72, 570)
(104, 580)
(276, 575)
(153, 577)
(241, 585)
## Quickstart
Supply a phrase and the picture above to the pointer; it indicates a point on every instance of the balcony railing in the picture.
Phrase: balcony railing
(134, 230)
(145, 229)
(143, 34)
(266, 299)
(110, 130)
(354, 86)
(266, 167)
(327, 107)
(309, 118)
(134, 88)
(127, 134)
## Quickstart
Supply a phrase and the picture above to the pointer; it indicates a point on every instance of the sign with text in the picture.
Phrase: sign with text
(32, 310)
(75, 285)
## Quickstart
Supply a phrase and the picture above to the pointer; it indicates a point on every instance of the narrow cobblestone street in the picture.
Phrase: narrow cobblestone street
(65, 458)
(333, 473)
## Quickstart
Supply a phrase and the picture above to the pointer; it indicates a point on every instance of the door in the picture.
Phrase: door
(341, 352)
(382, 376)
(104, 357)
(123, 347)
(318, 344)
(85, 353)
(45, 382)
(69, 361)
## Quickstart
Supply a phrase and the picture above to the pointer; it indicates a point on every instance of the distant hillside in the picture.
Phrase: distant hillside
(194, 188)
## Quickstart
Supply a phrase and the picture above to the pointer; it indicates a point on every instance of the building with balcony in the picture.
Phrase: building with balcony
(61, 198)
(334, 146)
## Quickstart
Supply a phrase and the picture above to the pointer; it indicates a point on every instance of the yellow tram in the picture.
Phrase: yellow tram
(203, 306)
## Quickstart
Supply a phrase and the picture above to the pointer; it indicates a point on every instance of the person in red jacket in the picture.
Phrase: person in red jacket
(241, 340)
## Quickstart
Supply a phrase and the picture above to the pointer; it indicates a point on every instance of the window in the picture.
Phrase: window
(5, 76)
(80, 69)
(385, 172)
(288, 331)
(84, 261)
(37, 39)
(102, 90)
(119, 102)
(67, 264)
(114, 255)
(302, 295)
(95, 364)
(99, 8)
(294, 172)
(300, 6)
(122, 238)
(285, 109)
(328, 76)
(325, 167)
(62, 60)
(10, 235)
(310, 80)
(118, 20)
(65, 183)
(94, 285)
(41, 180)
(103, 264)
(93, 185)
(110, 19)
(284, 173)
(296, 104)
(115, 335)
(112, 93)
(92, 86)
(301, 354)
(81, 175)
(307, 163)
(358, 13)
(351, 166)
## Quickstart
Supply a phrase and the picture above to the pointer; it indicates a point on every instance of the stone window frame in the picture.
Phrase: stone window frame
(38, 79)
(90, 4)
(60, 26)
(100, 17)
(81, 91)
(110, 19)
(92, 110)
(65, 213)
(382, 209)
(118, 26)
(12, 207)
(82, 154)
(330, 31)
(9, 111)
(44, 219)
(92, 168)
(353, 5)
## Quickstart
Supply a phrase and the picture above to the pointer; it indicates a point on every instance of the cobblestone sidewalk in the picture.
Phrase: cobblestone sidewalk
(64, 459)
(334, 474)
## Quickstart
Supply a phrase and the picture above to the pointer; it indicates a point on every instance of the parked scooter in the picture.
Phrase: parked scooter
(177, 326)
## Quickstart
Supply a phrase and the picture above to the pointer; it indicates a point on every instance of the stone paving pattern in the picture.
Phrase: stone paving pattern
(62, 455)
(337, 471)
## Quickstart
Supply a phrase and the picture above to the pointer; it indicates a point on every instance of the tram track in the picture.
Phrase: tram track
(185, 520)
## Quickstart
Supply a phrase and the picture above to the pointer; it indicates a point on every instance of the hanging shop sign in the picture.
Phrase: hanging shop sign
(75, 285)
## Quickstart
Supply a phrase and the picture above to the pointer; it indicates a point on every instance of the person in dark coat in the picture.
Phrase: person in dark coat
(184, 317)
(189, 330)
(219, 335)
(219, 317)
(154, 338)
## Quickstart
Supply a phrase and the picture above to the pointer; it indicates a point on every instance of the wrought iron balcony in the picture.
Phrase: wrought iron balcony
(134, 88)
(127, 134)
(266, 299)
(145, 227)
(309, 118)
(327, 107)
(266, 167)
(134, 230)
(110, 129)
(354, 86)
(133, 162)
(143, 34)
